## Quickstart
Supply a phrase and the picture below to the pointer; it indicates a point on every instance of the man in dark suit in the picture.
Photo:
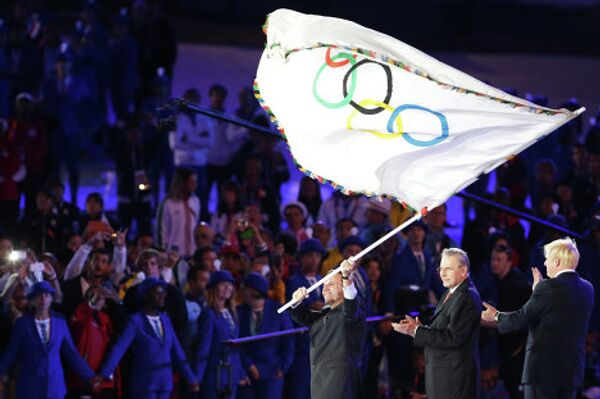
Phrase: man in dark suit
(451, 340)
(557, 315)
(337, 336)
(266, 362)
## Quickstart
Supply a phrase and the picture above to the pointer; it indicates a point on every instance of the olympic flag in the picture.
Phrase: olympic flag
(370, 114)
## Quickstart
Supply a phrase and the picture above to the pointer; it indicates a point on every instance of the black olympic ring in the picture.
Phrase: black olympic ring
(388, 95)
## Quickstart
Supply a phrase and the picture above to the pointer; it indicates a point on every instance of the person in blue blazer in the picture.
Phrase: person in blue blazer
(310, 256)
(266, 362)
(154, 347)
(37, 343)
(217, 365)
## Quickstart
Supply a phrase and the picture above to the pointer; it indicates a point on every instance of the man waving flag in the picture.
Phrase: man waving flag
(370, 114)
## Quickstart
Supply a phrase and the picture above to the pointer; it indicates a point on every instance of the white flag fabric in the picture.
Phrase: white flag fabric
(370, 114)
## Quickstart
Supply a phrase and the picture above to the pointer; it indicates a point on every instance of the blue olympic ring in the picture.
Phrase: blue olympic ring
(406, 135)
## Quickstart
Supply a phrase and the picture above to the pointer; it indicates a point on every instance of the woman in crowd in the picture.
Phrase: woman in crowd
(219, 323)
(178, 214)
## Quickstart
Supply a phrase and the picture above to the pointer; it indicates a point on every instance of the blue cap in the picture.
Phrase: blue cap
(352, 240)
(311, 245)
(418, 223)
(258, 282)
(219, 277)
(40, 288)
(148, 284)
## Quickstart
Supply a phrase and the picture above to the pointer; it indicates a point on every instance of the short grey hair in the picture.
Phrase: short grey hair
(459, 254)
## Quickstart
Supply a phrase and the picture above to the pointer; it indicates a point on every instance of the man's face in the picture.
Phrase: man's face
(44, 203)
(436, 217)
(201, 280)
(415, 236)
(217, 98)
(150, 267)
(332, 290)
(203, 236)
(344, 230)
(310, 262)
(294, 216)
(208, 260)
(352, 250)
(43, 301)
(93, 207)
(452, 272)
(101, 265)
(321, 232)
(74, 243)
(157, 296)
(500, 263)
(253, 297)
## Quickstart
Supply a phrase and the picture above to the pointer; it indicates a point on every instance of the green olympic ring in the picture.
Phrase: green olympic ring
(348, 97)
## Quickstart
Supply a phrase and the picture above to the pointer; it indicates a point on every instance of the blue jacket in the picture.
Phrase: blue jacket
(153, 358)
(210, 351)
(405, 271)
(41, 374)
(272, 355)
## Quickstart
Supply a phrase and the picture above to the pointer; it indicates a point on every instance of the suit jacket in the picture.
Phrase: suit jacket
(152, 358)
(268, 356)
(41, 374)
(213, 329)
(337, 338)
(451, 342)
(557, 315)
(405, 271)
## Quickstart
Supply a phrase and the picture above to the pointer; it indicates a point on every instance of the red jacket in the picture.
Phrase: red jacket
(31, 137)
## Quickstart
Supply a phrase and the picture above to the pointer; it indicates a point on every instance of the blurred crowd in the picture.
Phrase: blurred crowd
(149, 292)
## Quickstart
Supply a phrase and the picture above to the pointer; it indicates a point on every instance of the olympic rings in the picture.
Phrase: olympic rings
(382, 105)
(407, 136)
(395, 121)
(347, 96)
(334, 64)
(388, 94)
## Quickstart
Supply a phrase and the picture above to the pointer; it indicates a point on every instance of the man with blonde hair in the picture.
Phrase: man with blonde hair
(557, 315)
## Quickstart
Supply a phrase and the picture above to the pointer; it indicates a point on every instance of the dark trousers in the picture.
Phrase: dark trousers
(548, 392)
(140, 211)
(270, 389)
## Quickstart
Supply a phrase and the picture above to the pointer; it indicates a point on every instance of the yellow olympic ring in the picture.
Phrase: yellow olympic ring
(381, 104)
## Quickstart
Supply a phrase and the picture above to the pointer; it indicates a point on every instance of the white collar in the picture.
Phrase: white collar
(564, 271)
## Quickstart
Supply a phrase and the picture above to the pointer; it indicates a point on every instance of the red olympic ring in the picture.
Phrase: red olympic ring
(335, 64)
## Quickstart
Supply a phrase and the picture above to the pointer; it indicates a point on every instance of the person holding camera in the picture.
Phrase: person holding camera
(38, 342)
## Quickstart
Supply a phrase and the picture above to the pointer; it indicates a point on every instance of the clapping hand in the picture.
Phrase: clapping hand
(407, 326)
(537, 276)
(489, 314)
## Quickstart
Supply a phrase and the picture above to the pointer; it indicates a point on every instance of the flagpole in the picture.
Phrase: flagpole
(354, 258)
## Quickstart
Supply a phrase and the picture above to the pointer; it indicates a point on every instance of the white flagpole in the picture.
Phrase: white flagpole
(353, 258)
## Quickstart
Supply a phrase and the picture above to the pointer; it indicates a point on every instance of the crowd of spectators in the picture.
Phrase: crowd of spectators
(99, 279)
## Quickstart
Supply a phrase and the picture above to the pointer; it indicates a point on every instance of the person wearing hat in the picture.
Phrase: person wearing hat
(154, 347)
(265, 362)
(295, 215)
(215, 364)
(377, 217)
(309, 255)
(38, 342)
(148, 265)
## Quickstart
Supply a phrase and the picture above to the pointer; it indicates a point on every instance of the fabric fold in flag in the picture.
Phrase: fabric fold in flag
(370, 114)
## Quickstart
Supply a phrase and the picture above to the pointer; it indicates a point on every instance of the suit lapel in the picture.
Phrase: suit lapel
(150, 330)
(53, 333)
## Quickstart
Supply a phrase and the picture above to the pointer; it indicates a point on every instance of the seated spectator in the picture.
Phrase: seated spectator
(155, 348)
(256, 190)
(204, 235)
(94, 217)
(42, 231)
(68, 212)
(265, 362)
(38, 343)
(377, 217)
(229, 208)
(436, 239)
(206, 258)
(321, 232)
